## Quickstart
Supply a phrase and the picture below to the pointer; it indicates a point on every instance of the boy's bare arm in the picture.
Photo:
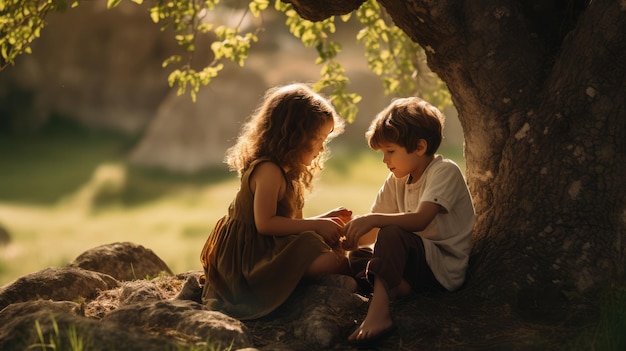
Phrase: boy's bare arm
(409, 221)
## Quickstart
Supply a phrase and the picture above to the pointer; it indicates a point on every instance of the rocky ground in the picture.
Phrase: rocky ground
(124, 297)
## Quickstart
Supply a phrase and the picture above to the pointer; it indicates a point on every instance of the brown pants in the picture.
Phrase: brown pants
(397, 255)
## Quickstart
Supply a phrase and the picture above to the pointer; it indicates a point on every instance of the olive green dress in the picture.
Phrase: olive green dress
(248, 275)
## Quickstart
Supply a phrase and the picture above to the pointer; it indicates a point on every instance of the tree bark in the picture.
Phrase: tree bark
(540, 88)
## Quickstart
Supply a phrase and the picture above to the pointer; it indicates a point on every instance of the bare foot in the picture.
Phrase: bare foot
(371, 330)
(378, 322)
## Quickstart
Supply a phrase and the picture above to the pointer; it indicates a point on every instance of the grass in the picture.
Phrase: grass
(70, 339)
(607, 334)
(55, 341)
(67, 189)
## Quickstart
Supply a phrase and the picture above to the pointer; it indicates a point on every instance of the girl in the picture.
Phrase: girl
(256, 255)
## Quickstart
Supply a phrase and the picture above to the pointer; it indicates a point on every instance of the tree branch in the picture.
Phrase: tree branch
(318, 10)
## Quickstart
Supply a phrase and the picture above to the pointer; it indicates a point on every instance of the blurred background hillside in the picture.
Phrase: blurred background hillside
(95, 147)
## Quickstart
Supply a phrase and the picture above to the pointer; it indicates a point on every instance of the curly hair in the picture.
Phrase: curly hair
(281, 129)
(404, 122)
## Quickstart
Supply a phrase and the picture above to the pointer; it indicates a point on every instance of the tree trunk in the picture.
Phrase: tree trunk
(541, 92)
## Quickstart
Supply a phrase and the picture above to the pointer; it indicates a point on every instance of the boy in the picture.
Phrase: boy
(421, 221)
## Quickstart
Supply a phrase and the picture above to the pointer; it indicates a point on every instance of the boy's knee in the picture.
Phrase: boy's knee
(390, 233)
(364, 253)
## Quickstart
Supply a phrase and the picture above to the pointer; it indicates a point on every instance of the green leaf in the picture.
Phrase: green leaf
(154, 15)
(112, 3)
(170, 60)
(257, 6)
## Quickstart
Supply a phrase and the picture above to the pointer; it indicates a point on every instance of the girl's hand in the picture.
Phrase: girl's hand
(340, 212)
(355, 229)
(331, 229)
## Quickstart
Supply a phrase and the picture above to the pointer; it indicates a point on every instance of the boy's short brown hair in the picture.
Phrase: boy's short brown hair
(404, 122)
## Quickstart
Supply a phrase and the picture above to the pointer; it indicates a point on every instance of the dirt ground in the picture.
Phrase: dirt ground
(454, 322)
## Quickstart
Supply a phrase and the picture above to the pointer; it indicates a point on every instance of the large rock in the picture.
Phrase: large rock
(321, 315)
(59, 284)
(162, 312)
(35, 324)
(187, 137)
(123, 261)
(187, 320)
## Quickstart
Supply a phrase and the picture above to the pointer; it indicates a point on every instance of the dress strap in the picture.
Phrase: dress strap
(246, 175)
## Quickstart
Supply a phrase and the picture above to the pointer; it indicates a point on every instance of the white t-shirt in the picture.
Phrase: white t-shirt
(448, 238)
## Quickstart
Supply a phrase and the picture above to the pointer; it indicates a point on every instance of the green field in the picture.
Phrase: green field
(66, 190)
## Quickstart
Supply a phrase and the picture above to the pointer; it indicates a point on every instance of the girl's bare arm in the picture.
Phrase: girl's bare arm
(268, 185)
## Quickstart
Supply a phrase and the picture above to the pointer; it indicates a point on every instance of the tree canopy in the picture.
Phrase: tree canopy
(400, 63)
